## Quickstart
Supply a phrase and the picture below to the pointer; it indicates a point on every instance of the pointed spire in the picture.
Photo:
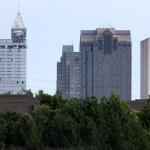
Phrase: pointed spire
(18, 7)
(18, 21)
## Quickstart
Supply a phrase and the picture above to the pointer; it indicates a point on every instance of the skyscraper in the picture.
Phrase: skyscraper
(68, 73)
(105, 65)
(13, 59)
(145, 69)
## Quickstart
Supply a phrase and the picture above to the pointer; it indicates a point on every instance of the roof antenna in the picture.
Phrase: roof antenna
(18, 21)
(72, 45)
(109, 24)
(18, 7)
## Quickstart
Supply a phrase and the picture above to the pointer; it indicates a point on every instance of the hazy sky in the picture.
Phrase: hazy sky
(52, 23)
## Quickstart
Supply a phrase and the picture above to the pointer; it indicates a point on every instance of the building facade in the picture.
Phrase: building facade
(145, 69)
(68, 73)
(13, 59)
(105, 65)
(18, 103)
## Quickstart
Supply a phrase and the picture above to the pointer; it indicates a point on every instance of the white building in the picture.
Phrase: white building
(145, 68)
(13, 59)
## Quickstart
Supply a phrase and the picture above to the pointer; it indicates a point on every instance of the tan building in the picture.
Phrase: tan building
(145, 69)
(137, 105)
(18, 103)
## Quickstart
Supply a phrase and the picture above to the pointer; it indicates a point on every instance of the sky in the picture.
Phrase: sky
(53, 23)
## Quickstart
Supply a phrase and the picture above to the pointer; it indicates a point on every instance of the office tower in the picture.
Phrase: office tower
(105, 63)
(13, 59)
(145, 69)
(68, 73)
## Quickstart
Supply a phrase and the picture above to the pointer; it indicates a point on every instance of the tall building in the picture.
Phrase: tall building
(145, 69)
(68, 73)
(105, 63)
(13, 59)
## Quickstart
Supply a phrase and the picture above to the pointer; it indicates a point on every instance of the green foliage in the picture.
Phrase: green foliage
(17, 130)
(3, 129)
(144, 116)
(108, 124)
(122, 125)
(56, 128)
(7, 93)
(28, 92)
(55, 102)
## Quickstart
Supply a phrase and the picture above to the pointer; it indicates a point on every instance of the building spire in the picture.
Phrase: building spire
(18, 8)
(18, 21)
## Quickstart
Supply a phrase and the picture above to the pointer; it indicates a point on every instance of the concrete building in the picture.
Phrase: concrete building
(68, 73)
(18, 103)
(145, 69)
(13, 59)
(138, 104)
(105, 65)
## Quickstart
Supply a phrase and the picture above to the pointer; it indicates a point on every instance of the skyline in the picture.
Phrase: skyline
(51, 24)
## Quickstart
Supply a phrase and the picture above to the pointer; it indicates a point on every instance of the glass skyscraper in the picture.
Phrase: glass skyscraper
(105, 64)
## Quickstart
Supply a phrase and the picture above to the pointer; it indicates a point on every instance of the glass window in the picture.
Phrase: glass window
(107, 42)
(115, 44)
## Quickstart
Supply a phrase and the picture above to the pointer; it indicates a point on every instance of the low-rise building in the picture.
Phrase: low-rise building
(18, 103)
(137, 105)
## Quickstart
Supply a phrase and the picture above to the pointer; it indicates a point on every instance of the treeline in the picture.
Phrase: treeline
(108, 124)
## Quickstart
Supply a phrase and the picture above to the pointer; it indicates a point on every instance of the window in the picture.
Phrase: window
(89, 48)
(2, 47)
(22, 46)
(108, 42)
(9, 47)
(115, 44)
(100, 44)
(76, 60)
(32, 107)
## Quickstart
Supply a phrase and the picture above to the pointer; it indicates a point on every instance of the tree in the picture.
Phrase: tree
(55, 102)
(122, 125)
(57, 129)
(2, 133)
(144, 116)
(28, 92)
(20, 131)
(64, 130)
(43, 119)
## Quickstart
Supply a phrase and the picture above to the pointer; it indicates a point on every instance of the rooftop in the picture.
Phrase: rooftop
(18, 22)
